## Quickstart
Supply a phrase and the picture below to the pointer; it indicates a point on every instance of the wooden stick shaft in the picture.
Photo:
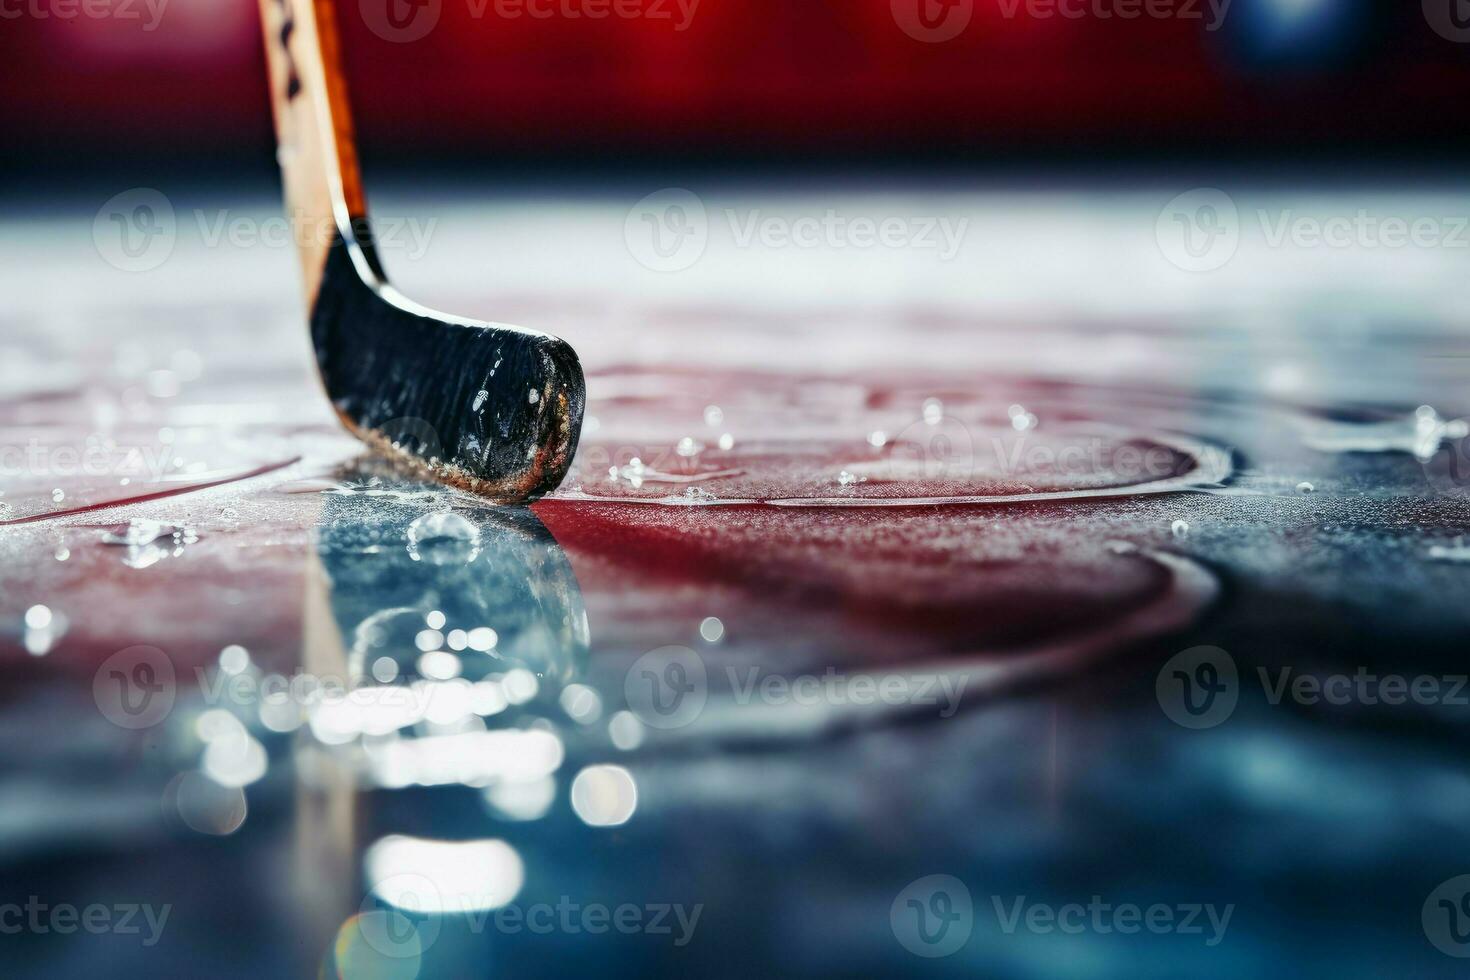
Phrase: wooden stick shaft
(316, 150)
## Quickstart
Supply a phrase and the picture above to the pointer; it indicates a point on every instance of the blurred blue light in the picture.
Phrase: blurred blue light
(1293, 33)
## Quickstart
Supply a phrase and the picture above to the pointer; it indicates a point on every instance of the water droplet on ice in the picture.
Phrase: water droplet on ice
(711, 629)
(480, 397)
(443, 538)
(58, 495)
(1304, 487)
(135, 533)
(43, 629)
(1179, 528)
(933, 410)
(1022, 420)
(713, 415)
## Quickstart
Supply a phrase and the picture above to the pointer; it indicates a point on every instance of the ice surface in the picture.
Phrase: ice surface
(1043, 462)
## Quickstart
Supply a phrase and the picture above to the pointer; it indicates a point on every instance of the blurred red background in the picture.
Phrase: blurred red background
(740, 81)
